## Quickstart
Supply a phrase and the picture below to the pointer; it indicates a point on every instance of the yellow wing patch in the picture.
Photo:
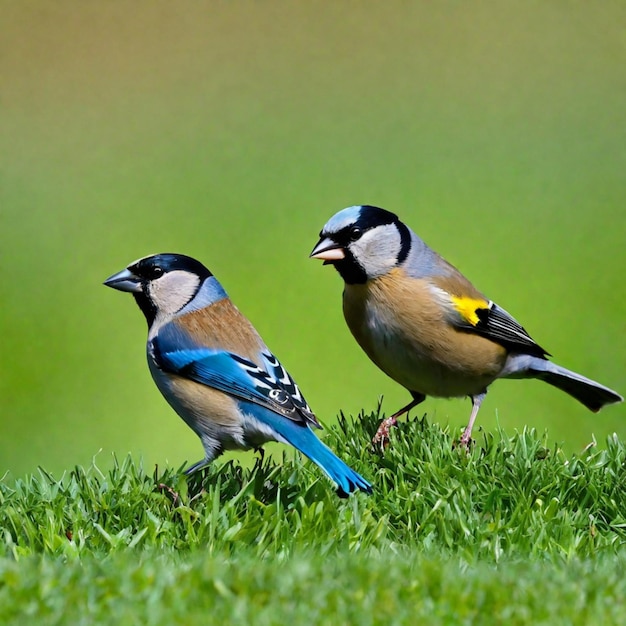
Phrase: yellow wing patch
(467, 307)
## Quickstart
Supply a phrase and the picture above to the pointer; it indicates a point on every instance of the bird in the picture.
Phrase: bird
(215, 371)
(425, 325)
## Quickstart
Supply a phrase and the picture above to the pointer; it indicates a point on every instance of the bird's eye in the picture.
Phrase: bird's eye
(157, 272)
(355, 233)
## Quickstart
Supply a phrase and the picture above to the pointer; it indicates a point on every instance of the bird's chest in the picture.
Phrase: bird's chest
(404, 330)
(387, 327)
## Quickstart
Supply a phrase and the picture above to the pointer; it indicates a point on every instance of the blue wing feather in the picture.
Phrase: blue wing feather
(232, 374)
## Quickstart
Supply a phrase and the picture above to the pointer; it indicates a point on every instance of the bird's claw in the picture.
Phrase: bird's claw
(170, 492)
(381, 438)
(465, 441)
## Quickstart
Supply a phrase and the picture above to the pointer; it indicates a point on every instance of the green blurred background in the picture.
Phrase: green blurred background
(233, 131)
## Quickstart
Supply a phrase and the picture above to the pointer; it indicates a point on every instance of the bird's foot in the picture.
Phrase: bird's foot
(170, 492)
(381, 438)
(466, 440)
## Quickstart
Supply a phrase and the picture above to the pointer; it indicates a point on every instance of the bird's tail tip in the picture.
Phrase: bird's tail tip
(592, 394)
(347, 480)
(354, 483)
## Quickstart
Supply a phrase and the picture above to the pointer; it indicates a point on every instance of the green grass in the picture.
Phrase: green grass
(515, 531)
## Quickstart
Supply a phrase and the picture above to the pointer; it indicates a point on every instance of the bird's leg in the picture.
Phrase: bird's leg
(466, 437)
(196, 467)
(381, 438)
(171, 492)
(212, 449)
(261, 452)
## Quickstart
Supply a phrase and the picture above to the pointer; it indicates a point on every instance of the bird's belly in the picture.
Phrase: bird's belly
(213, 415)
(419, 349)
(422, 370)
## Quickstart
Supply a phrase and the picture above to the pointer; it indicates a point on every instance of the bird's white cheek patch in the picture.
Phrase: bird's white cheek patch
(173, 290)
(377, 250)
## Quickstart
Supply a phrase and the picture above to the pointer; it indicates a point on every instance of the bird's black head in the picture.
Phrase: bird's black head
(153, 267)
(363, 242)
(161, 282)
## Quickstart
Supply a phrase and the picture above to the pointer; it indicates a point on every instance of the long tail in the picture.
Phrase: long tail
(590, 393)
(303, 439)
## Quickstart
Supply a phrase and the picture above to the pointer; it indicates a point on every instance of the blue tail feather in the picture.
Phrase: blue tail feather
(303, 439)
(346, 478)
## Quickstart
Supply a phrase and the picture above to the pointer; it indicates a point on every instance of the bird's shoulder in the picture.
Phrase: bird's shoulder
(457, 293)
(221, 325)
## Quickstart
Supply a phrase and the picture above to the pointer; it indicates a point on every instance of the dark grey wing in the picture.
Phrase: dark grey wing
(496, 324)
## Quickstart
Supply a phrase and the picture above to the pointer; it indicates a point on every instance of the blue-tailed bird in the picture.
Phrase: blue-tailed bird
(214, 369)
(425, 325)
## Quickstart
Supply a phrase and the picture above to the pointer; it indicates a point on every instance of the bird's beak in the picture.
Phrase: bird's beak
(124, 281)
(328, 251)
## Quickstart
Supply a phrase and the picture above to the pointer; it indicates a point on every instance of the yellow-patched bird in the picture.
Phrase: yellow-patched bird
(425, 325)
